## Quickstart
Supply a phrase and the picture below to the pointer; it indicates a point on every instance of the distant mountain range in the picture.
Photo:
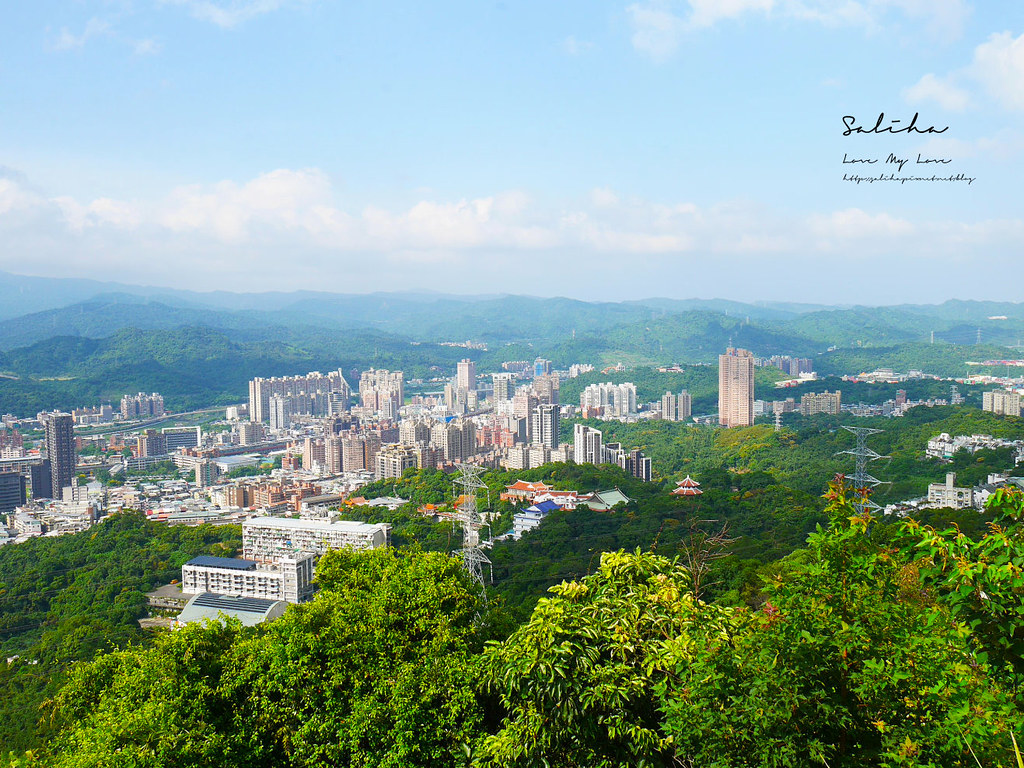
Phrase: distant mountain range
(69, 340)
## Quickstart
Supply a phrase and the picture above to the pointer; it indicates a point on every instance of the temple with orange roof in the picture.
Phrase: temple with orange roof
(522, 489)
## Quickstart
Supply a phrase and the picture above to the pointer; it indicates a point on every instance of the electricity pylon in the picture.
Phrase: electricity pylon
(861, 479)
(473, 557)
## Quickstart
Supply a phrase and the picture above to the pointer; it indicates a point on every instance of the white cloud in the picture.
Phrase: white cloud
(14, 197)
(603, 197)
(575, 47)
(658, 26)
(657, 31)
(705, 13)
(67, 41)
(146, 47)
(99, 212)
(940, 90)
(854, 224)
(1004, 145)
(230, 211)
(285, 229)
(230, 13)
(999, 67)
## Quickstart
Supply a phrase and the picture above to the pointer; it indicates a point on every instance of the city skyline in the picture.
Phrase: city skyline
(279, 145)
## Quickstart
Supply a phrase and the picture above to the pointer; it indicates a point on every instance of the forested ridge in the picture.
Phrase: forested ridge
(64, 599)
(99, 349)
(890, 644)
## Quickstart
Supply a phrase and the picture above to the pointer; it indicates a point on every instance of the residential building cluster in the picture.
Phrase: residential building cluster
(278, 400)
(142, 406)
(791, 366)
(1002, 402)
(944, 446)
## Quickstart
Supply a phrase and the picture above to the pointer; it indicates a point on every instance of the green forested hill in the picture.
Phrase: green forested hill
(64, 599)
(868, 646)
(194, 367)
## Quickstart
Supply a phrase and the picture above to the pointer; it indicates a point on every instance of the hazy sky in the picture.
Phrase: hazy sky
(585, 148)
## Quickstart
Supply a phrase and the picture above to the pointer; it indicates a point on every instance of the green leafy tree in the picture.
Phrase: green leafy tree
(981, 579)
(375, 671)
(851, 661)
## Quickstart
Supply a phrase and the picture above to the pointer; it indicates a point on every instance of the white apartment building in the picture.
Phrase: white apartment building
(948, 495)
(588, 446)
(268, 539)
(290, 579)
(618, 401)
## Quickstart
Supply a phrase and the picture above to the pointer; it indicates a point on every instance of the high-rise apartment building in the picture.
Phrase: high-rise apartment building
(60, 449)
(280, 412)
(676, 407)
(151, 443)
(736, 388)
(545, 425)
(504, 386)
(587, 444)
(142, 406)
(541, 367)
(465, 375)
(546, 388)
(249, 432)
(12, 491)
(314, 394)
(393, 460)
(1002, 402)
(382, 392)
(314, 453)
(614, 400)
(414, 431)
(456, 439)
(359, 451)
(636, 464)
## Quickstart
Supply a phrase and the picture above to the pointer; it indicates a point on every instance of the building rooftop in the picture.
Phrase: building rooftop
(324, 525)
(234, 563)
(543, 507)
(249, 610)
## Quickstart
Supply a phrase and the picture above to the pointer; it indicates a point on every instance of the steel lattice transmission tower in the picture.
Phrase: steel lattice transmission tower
(863, 454)
(473, 557)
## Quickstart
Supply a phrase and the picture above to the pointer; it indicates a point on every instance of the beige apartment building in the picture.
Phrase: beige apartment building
(736, 388)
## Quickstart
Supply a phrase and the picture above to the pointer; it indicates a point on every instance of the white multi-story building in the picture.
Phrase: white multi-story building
(545, 425)
(943, 446)
(280, 412)
(289, 579)
(393, 460)
(948, 495)
(268, 539)
(617, 401)
(308, 395)
(382, 392)
(588, 445)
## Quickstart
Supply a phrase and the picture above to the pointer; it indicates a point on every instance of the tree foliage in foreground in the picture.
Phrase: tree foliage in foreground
(371, 673)
(852, 661)
(874, 646)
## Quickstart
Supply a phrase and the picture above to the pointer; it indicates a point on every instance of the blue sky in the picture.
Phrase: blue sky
(601, 150)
